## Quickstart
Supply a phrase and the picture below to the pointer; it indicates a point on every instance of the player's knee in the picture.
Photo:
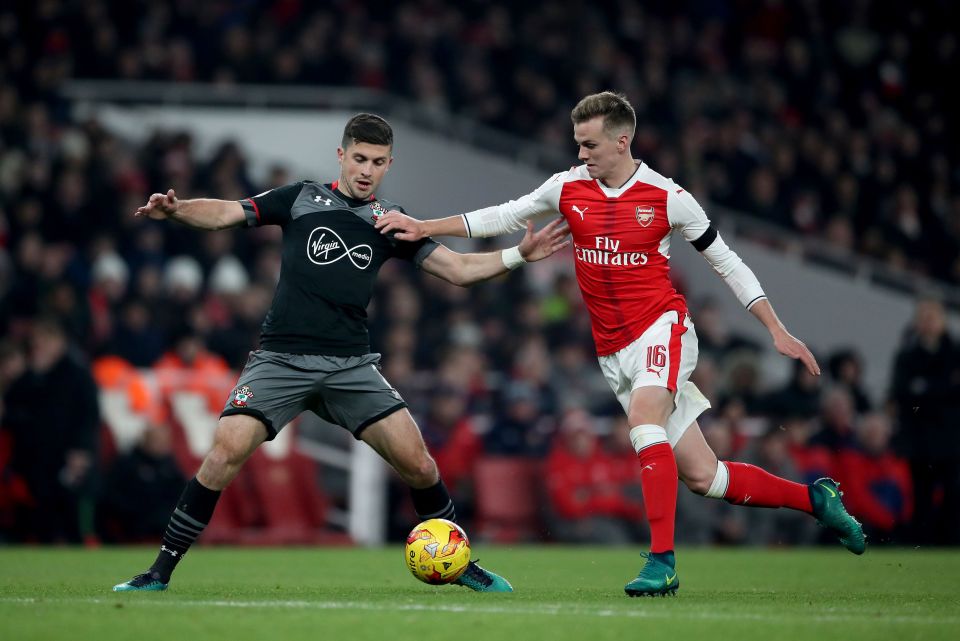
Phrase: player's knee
(218, 459)
(707, 480)
(699, 482)
(421, 472)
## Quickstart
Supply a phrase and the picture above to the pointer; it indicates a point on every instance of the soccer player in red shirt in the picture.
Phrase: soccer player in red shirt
(621, 214)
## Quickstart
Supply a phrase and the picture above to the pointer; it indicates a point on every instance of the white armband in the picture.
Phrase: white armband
(512, 258)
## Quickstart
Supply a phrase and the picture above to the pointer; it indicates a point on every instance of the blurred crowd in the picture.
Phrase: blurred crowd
(828, 118)
(822, 124)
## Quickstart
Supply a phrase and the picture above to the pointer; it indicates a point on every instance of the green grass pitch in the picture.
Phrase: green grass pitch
(561, 593)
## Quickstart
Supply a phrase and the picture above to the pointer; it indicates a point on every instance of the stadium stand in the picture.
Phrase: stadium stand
(831, 124)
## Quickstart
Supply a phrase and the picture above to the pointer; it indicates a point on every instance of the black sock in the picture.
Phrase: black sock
(433, 502)
(187, 522)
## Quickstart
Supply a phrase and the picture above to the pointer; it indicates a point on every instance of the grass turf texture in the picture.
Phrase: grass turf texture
(562, 593)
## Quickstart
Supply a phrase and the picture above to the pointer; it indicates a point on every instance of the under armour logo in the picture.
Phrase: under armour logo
(173, 553)
(580, 211)
(320, 199)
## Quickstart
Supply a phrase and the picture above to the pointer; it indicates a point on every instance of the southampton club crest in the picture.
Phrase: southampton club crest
(241, 395)
(378, 211)
(645, 214)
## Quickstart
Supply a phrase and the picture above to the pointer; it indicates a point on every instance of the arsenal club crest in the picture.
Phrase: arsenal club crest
(645, 214)
(241, 395)
(377, 211)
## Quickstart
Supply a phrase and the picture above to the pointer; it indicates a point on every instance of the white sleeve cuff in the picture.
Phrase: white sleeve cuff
(512, 258)
(745, 285)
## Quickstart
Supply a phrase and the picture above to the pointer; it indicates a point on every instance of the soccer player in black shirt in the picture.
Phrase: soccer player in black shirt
(314, 346)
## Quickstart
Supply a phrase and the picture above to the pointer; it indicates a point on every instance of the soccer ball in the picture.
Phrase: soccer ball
(437, 551)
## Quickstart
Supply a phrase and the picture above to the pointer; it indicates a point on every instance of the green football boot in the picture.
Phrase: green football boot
(829, 511)
(146, 582)
(657, 578)
(480, 580)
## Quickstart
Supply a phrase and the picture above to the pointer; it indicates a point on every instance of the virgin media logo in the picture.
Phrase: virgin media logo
(325, 247)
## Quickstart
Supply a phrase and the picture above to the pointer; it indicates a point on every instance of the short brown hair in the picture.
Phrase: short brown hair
(369, 128)
(615, 109)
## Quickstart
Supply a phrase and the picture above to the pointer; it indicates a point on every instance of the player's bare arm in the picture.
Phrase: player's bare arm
(199, 213)
(784, 341)
(410, 229)
(467, 269)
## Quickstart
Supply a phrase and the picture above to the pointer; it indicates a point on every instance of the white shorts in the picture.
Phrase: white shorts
(664, 356)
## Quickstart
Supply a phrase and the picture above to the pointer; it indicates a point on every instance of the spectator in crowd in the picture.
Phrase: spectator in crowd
(586, 501)
(52, 415)
(876, 482)
(924, 392)
(136, 337)
(14, 494)
(520, 428)
(846, 370)
(576, 383)
(716, 340)
(140, 489)
(811, 460)
(741, 382)
(799, 397)
(837, 419)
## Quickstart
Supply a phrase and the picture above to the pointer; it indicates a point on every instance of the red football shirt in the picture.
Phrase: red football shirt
(621, 240)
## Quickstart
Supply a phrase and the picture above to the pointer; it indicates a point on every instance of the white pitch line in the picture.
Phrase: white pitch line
(543, 610)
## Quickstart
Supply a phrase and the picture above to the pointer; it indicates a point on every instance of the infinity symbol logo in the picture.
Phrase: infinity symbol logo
(325, 247)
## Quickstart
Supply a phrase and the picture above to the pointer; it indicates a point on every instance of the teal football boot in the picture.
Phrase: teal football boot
(829, 511)
(480, 580)
(657, 578)
(146, 582)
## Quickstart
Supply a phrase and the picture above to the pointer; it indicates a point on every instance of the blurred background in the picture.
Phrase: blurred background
(816, 134)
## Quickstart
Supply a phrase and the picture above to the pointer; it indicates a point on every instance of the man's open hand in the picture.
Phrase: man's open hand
(159, 206)
(546, 242)
(791, 346)
(406, 228)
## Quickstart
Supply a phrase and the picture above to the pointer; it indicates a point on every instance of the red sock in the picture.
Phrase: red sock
(754, 487)
(658, 477)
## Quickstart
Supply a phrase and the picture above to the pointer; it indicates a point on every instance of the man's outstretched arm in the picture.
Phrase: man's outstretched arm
(687, 215)
(504, 218)
(199, 213)
(467, 269)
